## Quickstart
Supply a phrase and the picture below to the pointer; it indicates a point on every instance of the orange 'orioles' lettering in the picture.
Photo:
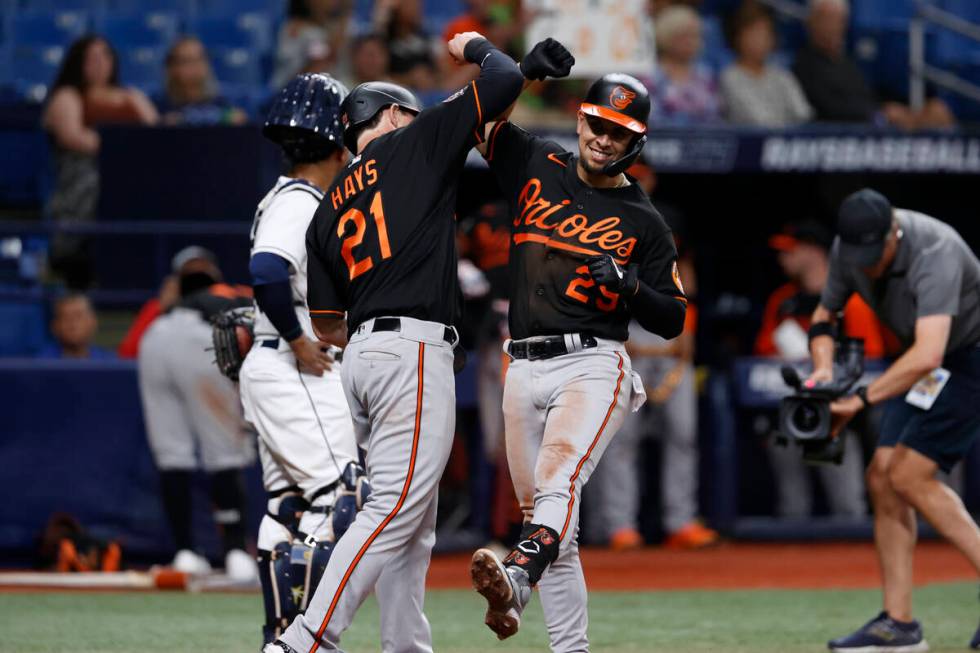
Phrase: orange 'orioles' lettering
(354, 183)
(356, 268)
(535, 210)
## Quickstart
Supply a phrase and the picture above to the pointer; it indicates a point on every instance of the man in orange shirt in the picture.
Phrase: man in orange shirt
(801, 249)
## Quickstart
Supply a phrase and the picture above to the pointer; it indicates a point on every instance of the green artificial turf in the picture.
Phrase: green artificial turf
(731, 621)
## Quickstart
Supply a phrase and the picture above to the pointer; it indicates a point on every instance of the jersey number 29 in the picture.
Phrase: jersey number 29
(356, 267)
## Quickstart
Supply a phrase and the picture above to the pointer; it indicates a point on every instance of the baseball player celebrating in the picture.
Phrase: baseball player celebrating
(290, 386)
(382, 248)
(589, 252)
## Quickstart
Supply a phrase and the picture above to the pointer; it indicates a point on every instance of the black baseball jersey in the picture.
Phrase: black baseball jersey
(383, 241)
(559, 221)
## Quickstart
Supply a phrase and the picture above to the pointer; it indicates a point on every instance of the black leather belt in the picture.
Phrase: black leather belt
(274, 344)
(547, 347)
(395, 324)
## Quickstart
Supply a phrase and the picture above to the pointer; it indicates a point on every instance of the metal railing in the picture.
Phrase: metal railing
(921, 72)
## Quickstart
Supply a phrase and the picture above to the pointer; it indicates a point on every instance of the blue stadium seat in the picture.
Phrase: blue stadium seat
(272, 8)
(716, 53)
(49, 28)
(953, 49)
(236, 67)
(33, 69)
(150, 29)
(878, 14)
(89, 6)
(185, 8)
(968, 9)
(251, 30)
(142, 67)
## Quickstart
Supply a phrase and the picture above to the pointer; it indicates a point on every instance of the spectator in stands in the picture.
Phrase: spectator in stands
(755, 91)
(73, 327)
(835, 86)
(85, 94)
(314, 38)
(802, 253)
(682, 90)
(412, 50)
(500, 21)
(369, 60)
(190, 90)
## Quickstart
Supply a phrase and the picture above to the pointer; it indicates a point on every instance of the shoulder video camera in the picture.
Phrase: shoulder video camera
(804, 416)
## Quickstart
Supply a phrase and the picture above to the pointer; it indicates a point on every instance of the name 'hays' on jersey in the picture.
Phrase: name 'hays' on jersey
(384, 236)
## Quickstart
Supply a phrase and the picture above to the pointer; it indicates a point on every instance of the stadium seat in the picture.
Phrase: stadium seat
(184, 8)
(47, 6)
(879, 14)
(252, 30)
(142, 67)
(968, 9)
(150, 29)
(716, 53)
(236, 67)
(33, 69)
(48, 28)
(272, 8)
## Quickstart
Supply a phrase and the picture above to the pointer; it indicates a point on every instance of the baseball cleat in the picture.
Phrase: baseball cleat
(241, 567)
(278, 646)
(882, 635)
(506, 589)
(191, 563)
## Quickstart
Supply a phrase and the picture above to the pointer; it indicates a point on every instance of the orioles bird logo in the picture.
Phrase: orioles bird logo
(621, 97)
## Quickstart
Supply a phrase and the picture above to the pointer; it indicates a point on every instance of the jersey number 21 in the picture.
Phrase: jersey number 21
(356, 267)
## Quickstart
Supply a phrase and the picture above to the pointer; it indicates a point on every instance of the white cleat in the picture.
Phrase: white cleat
(191, 563)
(241, 567)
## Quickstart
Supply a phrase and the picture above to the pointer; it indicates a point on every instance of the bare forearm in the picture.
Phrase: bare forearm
(332, 331)
(902, 375)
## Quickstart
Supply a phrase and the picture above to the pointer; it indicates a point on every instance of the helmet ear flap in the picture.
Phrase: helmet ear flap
(620, 165)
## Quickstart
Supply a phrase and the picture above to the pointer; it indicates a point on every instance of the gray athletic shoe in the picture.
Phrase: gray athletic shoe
(506, 589)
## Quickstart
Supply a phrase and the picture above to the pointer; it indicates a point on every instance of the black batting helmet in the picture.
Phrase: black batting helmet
(625, 101)
(366, 100)
(304, 119)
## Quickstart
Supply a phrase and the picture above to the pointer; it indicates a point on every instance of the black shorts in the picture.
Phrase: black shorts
(945, 432)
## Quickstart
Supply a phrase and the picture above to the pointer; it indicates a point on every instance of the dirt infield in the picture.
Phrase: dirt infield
(737, 566)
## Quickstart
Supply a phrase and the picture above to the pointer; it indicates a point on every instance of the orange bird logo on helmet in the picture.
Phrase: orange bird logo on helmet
(621, 97)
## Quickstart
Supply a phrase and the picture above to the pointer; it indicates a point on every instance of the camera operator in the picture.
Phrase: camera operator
(923, 281)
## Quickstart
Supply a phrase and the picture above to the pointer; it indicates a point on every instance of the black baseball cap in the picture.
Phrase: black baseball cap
(863, 223)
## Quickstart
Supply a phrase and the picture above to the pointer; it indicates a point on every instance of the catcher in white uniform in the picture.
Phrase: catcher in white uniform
(290, 384)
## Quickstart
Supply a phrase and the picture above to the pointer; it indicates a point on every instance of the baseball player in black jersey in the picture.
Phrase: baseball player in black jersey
(382, 250)
(588, 252)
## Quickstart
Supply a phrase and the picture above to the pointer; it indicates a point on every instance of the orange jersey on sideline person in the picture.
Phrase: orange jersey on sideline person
(859, 322)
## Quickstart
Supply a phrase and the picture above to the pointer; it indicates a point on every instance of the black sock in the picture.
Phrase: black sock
(175, 485)
(537, 549)
(228, 496)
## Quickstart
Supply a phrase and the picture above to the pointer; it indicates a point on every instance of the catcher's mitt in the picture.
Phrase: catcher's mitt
(232, 332)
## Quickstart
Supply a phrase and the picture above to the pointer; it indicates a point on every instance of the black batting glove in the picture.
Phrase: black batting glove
(548, 58)
(606, 272)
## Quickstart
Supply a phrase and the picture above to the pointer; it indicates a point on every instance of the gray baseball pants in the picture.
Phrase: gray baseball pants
(402, 395)
(560, 415)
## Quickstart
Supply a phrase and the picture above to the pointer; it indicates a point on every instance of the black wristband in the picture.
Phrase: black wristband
(818, 329)
(862, 394)
(476, 50)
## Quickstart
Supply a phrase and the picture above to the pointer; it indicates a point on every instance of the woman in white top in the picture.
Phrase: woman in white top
(757, 92)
